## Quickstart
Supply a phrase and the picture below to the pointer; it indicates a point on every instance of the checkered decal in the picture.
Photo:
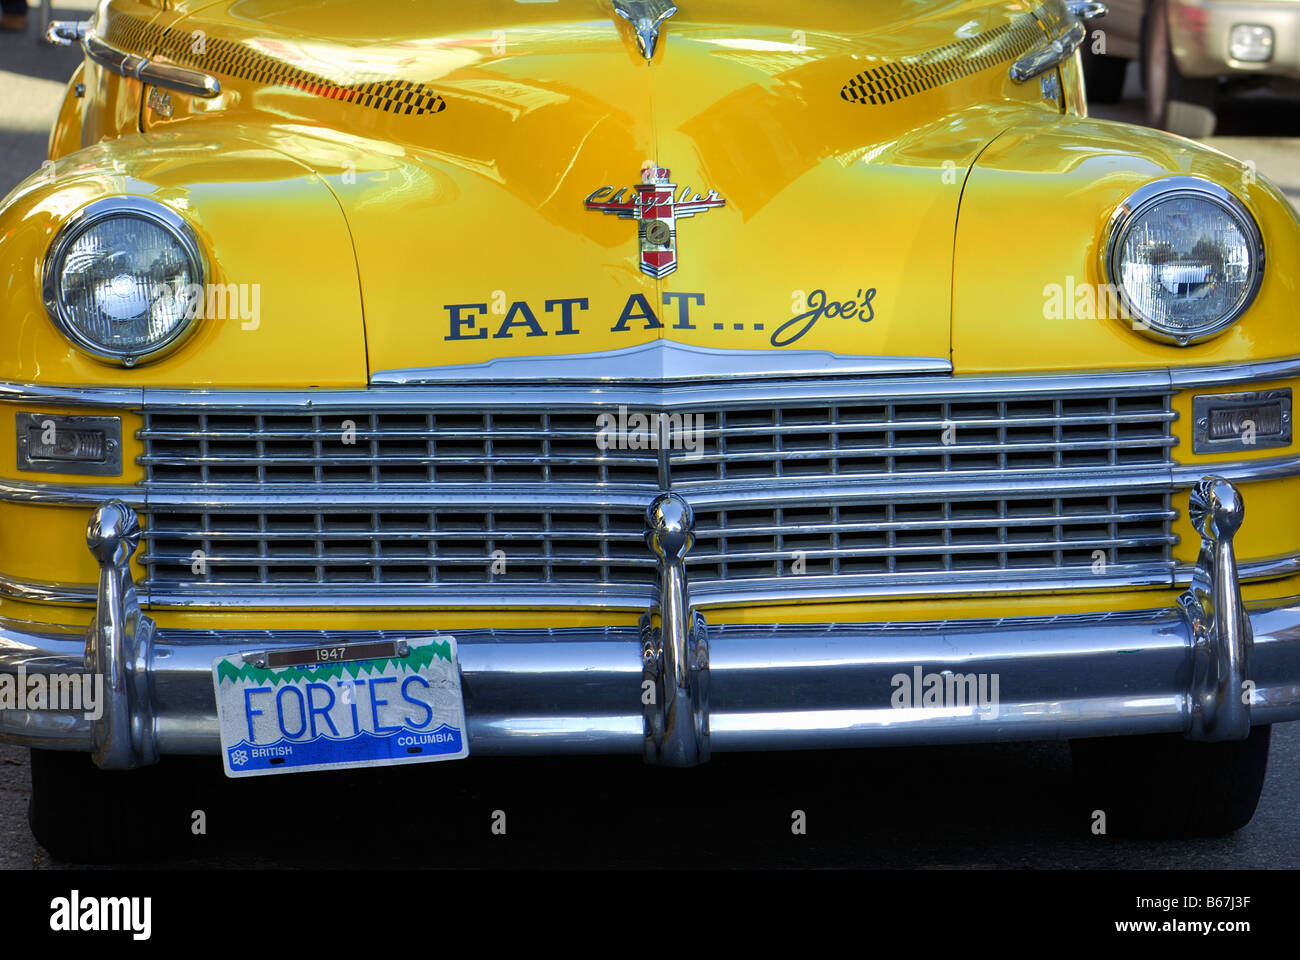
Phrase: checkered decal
(131, 33)
(230, 59)
(903, 78)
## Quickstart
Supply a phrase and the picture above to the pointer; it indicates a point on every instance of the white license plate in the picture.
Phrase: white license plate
(372, 703)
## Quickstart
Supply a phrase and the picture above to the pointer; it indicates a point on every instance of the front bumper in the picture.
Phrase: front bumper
(1199, 31)
(772, 687)
(1209, 668)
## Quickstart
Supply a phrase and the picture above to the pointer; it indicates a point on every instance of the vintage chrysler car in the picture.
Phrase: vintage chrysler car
(590, 377)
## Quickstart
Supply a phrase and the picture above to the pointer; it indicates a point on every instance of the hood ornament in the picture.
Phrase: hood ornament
(656, 207)
(645, 17)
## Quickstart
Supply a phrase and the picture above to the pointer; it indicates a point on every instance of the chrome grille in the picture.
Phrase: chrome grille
(853, 496)
(860, 439)
(438, 547)
(1017, 536)
(390, 447)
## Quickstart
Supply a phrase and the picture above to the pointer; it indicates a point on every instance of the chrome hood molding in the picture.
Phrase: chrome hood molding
(663, 361)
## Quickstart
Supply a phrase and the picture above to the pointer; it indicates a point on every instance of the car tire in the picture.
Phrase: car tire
(82, 814)
(1181, 105)
(1103, 77)
(1165, 786)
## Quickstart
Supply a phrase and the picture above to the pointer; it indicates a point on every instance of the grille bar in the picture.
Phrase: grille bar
(351, 560)
(217, 536)
(844, 553)
(708, 432)
(994, 524)
(843, 450)
(371, 461)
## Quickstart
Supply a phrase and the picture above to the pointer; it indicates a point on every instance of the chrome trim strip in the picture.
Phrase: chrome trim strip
(633, 597)
(343, 497)
(703, 495)
(181, 79)
(829, 490)
(629, 597)
(901, 551)
(949, 584)
(13, 588)
(675, 459)
(1274, 468)
(64, 33)
(40, 393)
(670, 396)
(1087, 10)
(217, 561)
(813, 491)
(1248, 571)
(1045, 58)
(529, 433)
(595, 397)
(1184, 378)
(111, 58)
(680, 395)
(68, 494)
(662, 361)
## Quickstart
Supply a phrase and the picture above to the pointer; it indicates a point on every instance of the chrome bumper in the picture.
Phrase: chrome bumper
(1208, 668)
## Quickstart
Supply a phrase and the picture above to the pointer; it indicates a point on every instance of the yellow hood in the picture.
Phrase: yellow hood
(465, 142)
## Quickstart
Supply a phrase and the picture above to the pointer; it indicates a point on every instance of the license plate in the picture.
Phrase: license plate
(351, 705)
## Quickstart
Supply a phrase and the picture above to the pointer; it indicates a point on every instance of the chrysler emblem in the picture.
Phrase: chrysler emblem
(656, 206)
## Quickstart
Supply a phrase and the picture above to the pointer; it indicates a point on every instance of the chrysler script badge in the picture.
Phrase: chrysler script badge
(656, 208)
(646, 16)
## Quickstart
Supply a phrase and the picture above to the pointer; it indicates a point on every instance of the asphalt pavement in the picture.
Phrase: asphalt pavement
(33, 77)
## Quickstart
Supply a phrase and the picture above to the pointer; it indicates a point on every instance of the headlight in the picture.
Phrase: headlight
(1186, 259)
(121, 279)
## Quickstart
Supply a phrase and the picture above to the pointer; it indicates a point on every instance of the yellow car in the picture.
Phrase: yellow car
(389, 383)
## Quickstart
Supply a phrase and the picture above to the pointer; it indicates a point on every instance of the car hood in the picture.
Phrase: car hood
(814, 229)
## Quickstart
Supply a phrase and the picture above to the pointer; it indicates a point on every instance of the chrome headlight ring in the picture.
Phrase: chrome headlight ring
(1131, 211)
(96, 212)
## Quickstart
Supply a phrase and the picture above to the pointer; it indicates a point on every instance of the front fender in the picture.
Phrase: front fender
(1031, 219)
(65, 135)
(265, 221)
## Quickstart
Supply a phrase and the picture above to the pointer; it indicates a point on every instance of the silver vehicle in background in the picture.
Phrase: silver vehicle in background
(1192, 52)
